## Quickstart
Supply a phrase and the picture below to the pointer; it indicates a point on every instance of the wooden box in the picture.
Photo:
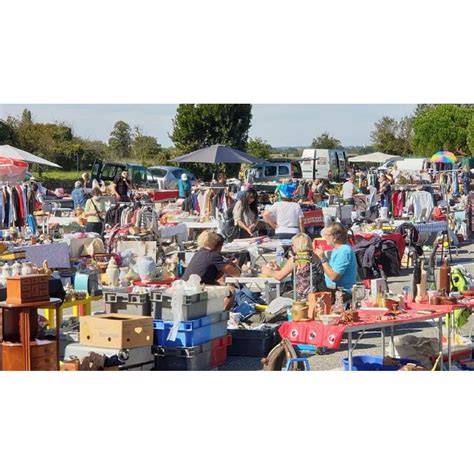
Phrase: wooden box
(116, 331)
(27, 289)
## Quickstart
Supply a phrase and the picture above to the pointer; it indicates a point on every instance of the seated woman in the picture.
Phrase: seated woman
(303, 251)
(341, 268)
(211, 266)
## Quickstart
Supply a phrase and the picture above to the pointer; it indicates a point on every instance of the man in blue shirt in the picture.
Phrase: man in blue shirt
(341, 269)
(78, 195)
(184, 186)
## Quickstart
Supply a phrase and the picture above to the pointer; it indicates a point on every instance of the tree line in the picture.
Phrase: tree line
(432, 127)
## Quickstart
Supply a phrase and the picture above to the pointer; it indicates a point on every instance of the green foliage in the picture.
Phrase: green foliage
(7, 133)
(442, 127)
(197, 126)
(259, 148)
(392, 136)
(470, 136)
(120, 140)
(145, 148)
(325, 141)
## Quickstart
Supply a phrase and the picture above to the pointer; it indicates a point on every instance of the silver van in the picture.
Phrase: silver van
(273, 171)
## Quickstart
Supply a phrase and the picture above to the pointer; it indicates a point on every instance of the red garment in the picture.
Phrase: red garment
(22, 203)
(394, 202)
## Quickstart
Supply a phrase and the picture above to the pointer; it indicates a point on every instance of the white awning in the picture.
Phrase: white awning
(11, 152)
(376, 157)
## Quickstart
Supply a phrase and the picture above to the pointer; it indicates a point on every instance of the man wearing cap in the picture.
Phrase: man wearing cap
(78, 195)
(286, 216)
(184, 186)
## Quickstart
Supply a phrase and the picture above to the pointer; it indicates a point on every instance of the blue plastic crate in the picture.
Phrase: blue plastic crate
(373, 363)
(191, 333)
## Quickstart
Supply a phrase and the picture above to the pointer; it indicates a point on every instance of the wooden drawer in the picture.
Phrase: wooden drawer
(45, 363)
(38, 351)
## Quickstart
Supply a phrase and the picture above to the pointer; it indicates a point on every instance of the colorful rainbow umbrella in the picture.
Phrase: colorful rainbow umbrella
(444, 157)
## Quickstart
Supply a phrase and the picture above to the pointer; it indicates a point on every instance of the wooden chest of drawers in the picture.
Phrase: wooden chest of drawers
(27, 289)
(42, 356)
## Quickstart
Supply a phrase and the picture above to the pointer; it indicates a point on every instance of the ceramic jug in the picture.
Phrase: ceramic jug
(27, 268)
(16, 269)
(146, 268)
(112, 273)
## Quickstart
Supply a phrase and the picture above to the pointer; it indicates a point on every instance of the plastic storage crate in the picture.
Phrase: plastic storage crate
(127, 303)
(136, 358)
(191, 333)
(194, 306)
(206, 356)
(253, 342)
(368, 362)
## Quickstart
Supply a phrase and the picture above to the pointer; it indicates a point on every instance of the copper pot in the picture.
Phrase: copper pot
(299, 311)
(392, 305)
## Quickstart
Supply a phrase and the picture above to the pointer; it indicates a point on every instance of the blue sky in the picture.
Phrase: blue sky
(279, 125)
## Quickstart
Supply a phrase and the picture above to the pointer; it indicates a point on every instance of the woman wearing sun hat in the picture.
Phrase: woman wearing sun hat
(286, 216)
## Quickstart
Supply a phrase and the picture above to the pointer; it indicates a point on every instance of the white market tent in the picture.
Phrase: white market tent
(8, 151)
(376, 157)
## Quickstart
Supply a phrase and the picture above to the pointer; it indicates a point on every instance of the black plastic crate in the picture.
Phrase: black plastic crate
(253, 342)
(205, 356)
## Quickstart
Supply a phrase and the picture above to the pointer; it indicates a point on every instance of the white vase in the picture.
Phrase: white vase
(123, 276)
(112, 273)
(27, 268)
(146, 268)
(16, 269)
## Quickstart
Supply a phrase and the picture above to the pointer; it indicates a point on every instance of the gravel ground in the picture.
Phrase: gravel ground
(369, 344)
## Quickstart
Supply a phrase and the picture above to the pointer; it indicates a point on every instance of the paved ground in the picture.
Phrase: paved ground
(370, 344)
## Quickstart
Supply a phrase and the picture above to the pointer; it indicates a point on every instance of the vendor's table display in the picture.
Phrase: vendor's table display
(330, 335)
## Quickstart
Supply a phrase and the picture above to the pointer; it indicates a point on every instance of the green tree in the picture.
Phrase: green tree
(7, 133)
(325, 141)
(442, 127)
(470, 136)
(120, 140)
(197, 126)
(145, 148)
(259, 148)
(392, 136)
(200, 125)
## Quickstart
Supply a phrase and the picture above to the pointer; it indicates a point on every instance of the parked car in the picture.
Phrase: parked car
(138, 174)
(167, 176)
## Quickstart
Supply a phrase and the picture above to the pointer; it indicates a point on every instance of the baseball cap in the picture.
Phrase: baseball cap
(184, 177)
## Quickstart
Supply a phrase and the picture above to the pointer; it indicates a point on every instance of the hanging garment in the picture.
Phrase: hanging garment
(422, 201)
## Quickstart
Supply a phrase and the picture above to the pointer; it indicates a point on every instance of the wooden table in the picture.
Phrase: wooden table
(22, 313)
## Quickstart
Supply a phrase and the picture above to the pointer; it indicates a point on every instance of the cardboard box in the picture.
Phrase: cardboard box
(116, 331)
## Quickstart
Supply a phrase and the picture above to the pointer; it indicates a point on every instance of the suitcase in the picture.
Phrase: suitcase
(136, 358)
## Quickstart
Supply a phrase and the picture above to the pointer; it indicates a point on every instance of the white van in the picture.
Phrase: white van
(320, 163)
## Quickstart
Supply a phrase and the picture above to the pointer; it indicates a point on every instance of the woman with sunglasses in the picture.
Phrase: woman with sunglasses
(246, 214)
